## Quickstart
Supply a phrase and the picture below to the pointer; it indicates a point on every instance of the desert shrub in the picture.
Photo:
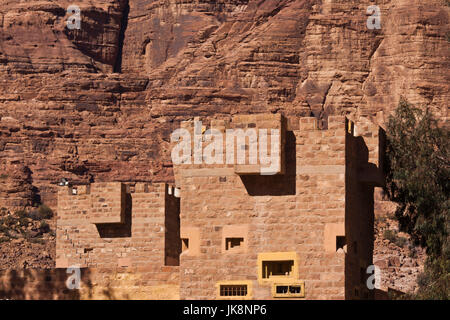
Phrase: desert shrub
(37, 240)
(389, 235)
(45, 211)
(42, 212)
(434, 281)
(21, 214)
(9, 221)
(22, 217)
(401, 241)
(392, 236)
(44, 227)
(418, 180)
(3, 228)
(34, 215)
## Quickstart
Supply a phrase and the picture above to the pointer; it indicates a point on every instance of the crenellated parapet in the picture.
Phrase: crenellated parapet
(233, 227)
(112, 224)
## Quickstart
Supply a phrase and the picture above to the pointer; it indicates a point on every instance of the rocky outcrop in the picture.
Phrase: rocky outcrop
(99, 103)
(400, 262)
(27, 239)
(16, 189)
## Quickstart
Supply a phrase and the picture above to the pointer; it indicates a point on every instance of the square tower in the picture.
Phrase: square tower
(304, 232)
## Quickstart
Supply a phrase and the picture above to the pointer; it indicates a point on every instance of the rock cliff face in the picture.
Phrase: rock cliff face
(99, 103)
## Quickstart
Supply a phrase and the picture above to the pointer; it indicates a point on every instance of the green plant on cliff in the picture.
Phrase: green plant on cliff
(45, 211)
(393, 237)
(418, 181)
(42, 212)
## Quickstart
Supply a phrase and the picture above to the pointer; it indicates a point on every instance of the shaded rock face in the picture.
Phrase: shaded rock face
(99, 103)
(16, 189)
(34, 37)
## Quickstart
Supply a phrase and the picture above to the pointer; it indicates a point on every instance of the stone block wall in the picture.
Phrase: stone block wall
(305, 213)
(282, 213)
(237, 135)
(364, 163)
(310, 226)
(108, 202)
(139, 241)
(172, 240)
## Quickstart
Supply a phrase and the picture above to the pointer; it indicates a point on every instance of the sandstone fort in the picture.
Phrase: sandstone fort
(227, 231)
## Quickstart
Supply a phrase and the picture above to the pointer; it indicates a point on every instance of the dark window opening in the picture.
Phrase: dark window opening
(118, 230)
(277, 268)
(288, 290)
(184, 244)
(282, 289)
(295, 289)
(233, 242)
(340, 242)
(233, 290)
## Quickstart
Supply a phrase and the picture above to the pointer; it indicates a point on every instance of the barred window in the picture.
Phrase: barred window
(233, 290)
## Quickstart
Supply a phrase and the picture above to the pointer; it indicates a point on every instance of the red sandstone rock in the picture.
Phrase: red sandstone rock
(65, 113)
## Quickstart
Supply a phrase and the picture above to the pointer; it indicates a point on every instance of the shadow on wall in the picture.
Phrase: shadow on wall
(50, 284)
(275, 185)
(99, 27)
(118, 230)
(40, 284)
(361, 178)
